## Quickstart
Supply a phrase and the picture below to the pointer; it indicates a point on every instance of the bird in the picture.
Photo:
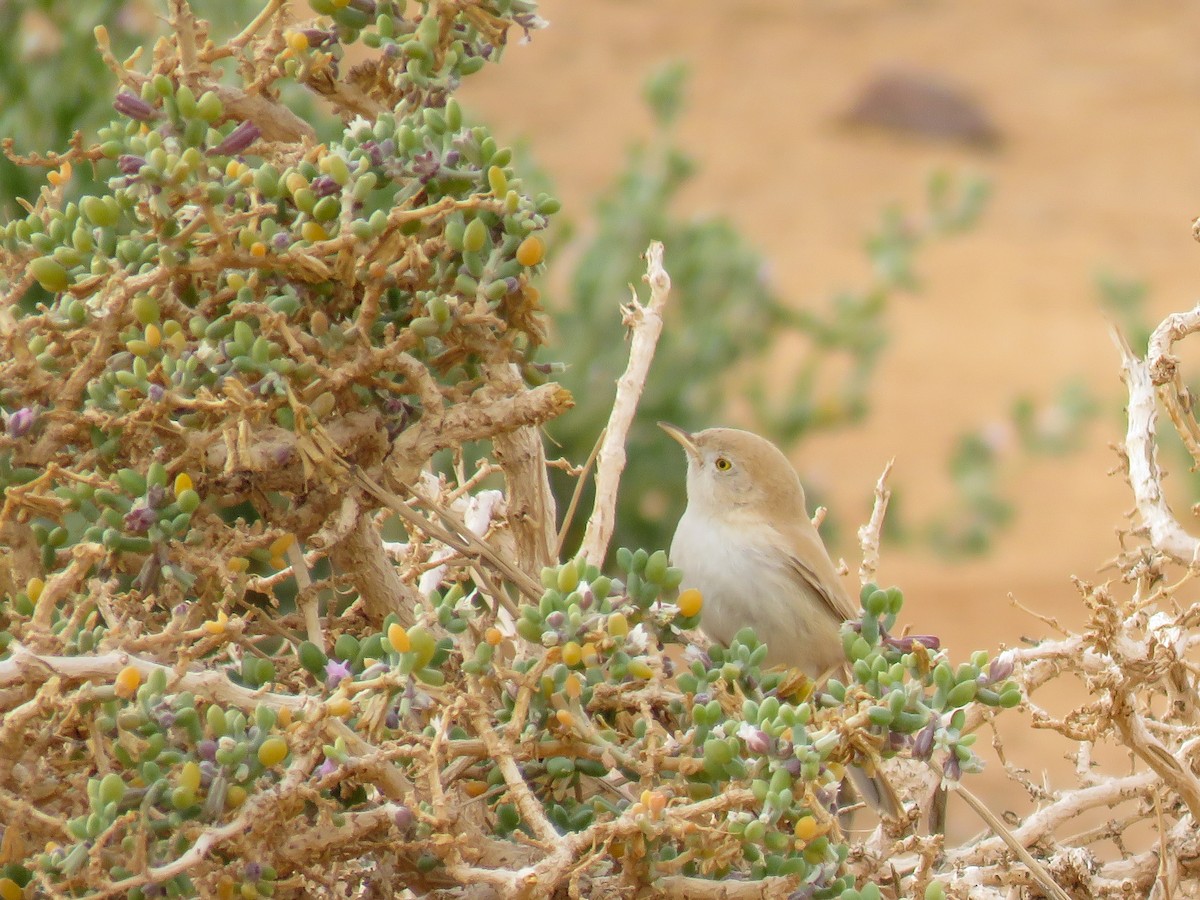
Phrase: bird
(746, 542)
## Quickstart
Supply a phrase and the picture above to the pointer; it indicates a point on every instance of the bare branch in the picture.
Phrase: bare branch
(646, 324)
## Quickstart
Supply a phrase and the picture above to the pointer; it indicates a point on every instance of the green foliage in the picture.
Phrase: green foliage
(50, 70)
(724, 317)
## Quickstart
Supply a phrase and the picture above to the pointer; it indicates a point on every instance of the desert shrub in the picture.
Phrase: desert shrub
(228, 363)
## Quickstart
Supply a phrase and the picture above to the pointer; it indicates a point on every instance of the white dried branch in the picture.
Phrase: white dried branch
(1165, 533)
(25, 666)
(646, 324)
(868, 534)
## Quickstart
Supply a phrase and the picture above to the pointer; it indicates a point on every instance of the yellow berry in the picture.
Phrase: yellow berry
(313, 232)
(272, 751)
(235, 280)
(474, 787)
(298, 41)
(572, 653)
(493, 636)
(564, 717)
(690, 603)
(807, 828)
(34, 589)
(284, 716)
(235, 796)
(153, 336)
(338, 705)
(573, 686)
(639, 668)
(217, 625)
(237, 564)
(60, 176)
(10, 890)
(128, 680)
(189, 776)
(281, 544)
(295, 182)
(259, 249)
(398, 638)
(656, 802)
(618, 625)
(183, 482)
(532, 251)
(590, 654)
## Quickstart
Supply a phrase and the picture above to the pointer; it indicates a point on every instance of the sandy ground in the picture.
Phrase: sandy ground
(1097, 104)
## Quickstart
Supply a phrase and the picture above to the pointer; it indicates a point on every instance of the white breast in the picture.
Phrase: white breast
(746, 582)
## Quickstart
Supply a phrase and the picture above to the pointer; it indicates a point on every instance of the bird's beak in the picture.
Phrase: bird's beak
(685, 439)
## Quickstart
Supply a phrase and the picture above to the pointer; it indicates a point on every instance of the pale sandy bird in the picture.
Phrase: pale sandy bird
(746, 542)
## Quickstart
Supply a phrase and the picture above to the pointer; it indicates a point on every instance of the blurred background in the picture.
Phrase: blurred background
(896, 229)
(1003, 344)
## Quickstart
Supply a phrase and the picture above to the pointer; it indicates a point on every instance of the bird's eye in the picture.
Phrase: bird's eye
(722, 464)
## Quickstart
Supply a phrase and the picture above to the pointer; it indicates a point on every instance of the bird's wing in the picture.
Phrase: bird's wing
(811, 564)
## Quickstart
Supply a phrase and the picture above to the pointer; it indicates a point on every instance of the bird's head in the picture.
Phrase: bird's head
(732, 470)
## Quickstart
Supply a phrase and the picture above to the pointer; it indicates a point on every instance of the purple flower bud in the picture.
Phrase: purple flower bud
(130, 164)
(207, 749)
(316, 37)
(452, 157)
(1001, 667)
(392, 51)
(156, 496)
(238, 140)
(281, 241)
(208, 769)
(133, 107)
(371, 148)
(907, 643)
(952, 768)
(556, 619)
(387, 147)
(403, 818)
(324, 185)
(426, 165)
(252, 872)
(923, 745)
(793, 766)
(139, 519)
(703, 699)
(328, 767)
(21, 421)
(335, 671)
(155, 393)
(511, 284)
(758, 741)
(392, 719)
